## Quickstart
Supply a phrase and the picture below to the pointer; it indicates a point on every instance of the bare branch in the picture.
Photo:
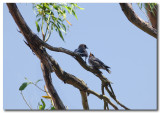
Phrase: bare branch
(96, 72)
(137, 21)
(67, 77)
(105, 103)
(110, 93)
(71, 79)
(84, 100)
(25, 100)
(103, 97)
(52, 91)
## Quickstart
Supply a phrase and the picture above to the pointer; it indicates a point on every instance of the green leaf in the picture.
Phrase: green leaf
(81, 8)
(141, 5)
(60, 34)
(64, 27)
(38, 15)
(53, 108)
(24, 85)
(52, 27)
(63, 30)
(46, 6)
(74, 14)
(38, 19)
(37, 25)
(41, 107)
(68, 9)
(43, 104)
(38, 81)
(54, 12)
(39, 6)
(55, 7)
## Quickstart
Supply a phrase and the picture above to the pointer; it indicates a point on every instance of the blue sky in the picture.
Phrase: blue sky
(130, 52)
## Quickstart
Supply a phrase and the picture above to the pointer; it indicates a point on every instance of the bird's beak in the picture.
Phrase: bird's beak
(90, 54)
(86, 47)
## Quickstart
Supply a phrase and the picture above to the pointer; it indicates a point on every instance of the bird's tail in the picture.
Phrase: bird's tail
(107, 69)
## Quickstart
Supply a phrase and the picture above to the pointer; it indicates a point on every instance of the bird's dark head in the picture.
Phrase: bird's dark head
(83, 46)
(90, 54)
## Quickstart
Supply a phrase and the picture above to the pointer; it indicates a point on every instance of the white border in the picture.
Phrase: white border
(62, 1)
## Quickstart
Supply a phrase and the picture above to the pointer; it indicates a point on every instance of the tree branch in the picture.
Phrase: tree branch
(52, 91)
(114, 98)
(137, 21)
(84, 100)
(105, 103)
(34, 44)
(103, 97)
(49, 64)
(96, 72)
(71, 79)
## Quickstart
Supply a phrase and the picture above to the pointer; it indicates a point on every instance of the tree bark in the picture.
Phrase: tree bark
(137, 21)
(152, 15)
(84, 100)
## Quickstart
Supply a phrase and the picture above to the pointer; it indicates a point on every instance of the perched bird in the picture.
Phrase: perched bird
(96, 63)
(82, 51)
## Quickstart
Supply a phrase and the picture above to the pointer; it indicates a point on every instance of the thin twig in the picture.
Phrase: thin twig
(105, 103)
(38, 87)
(25, 100)
(103, 97)
(114, 98)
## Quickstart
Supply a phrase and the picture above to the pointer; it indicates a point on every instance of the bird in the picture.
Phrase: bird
(96, 63)
(82, 51)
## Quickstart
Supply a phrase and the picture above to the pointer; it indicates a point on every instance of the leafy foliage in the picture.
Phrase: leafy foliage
(151, 8)
(42, 105)
(52, 17)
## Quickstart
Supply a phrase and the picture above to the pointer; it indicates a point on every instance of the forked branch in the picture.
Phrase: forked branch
(35, 46)
(49, 65)
(137, 21)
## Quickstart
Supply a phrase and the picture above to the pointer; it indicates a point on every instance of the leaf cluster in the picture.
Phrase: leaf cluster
(41, 105)
(148, 6)
(51, 16)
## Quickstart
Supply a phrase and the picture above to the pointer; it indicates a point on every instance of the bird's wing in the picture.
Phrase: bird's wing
(82, 52)
(100, 62)
(97, 60)
(78, 50)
